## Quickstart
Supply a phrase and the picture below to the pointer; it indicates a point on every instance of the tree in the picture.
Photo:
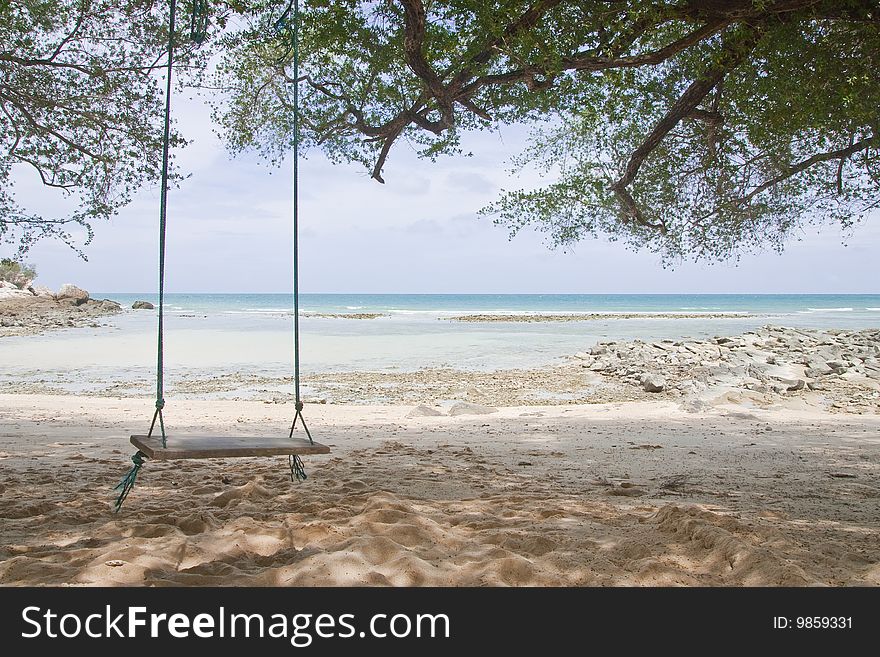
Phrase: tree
(19, 274)
(691, 128)
(80, 107)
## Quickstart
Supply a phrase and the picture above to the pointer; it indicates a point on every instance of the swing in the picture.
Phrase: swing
(163, 447)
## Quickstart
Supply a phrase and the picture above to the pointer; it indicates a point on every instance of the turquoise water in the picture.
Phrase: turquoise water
(865, 306)
(220, 335)
(225, 330)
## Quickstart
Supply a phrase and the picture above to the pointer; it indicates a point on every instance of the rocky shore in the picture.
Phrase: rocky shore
(590, 317)
(343, 315)
(843, 366)
(832, 370)
(35, 310)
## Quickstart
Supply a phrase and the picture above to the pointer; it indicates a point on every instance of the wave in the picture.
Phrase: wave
(831, 310)
(259, 311)
(874, 309)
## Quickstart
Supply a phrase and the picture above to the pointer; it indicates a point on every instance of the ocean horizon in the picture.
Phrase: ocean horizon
(509, 303)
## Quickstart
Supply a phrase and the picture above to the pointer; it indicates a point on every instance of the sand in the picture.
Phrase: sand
(629, 493)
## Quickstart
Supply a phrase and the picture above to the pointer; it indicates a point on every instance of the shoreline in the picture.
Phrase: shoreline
(743, 460)
(32, 314)
(835, 370)
(594, 316)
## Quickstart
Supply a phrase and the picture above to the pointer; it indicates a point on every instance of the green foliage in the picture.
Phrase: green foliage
(718, 190)
(693, 129)
(80, 108)
(690, 128)
(20, 275)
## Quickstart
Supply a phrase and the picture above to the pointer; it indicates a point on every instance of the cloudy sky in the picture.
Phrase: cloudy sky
(229, 231)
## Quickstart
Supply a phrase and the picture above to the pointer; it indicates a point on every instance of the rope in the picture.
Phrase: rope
(296, 203)
(297, 469)
(163, 217)
(296, 349)
(198, 27)
(299, 416)
(130, 477)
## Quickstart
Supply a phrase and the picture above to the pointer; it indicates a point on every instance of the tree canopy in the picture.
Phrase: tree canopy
(695, 129)
(80, 107)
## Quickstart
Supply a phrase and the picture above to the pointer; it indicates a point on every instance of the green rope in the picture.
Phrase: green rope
(129, 479)
(163, 220)
(296, 203)
(297, 469)
(279, 25)
(198, 27)
(299, 416)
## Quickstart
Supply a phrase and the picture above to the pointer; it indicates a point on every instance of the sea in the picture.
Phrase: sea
(417, 330)
(231, 334)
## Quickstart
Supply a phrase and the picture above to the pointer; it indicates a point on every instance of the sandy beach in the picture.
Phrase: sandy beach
(744, 459)
(625, 493)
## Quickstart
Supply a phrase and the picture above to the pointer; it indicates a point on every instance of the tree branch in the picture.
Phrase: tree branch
(733, 52)
(413, 43)
(842, 154)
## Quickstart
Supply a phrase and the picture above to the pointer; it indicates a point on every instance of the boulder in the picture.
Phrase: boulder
(142, 305)
(423, 411)
(598, 350)
(41, 291)
(14, 293)
(466, 408)
(653, 383)
(73, 293)
(838, 367)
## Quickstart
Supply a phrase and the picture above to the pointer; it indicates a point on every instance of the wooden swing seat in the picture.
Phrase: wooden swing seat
(215, 447)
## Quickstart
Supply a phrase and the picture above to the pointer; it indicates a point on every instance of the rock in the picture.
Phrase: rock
(653, 383)
(142, 305)
(107, 304)
(14, 293)
(41, 291)
(794, 386)
(73, 293)
(817, 368)
(837, 366)
(598, 350)
(466, 408)
(423, 411)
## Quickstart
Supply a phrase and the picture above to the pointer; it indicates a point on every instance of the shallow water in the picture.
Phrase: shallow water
(217, 335)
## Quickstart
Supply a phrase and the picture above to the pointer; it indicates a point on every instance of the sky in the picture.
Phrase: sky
(229, 231)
